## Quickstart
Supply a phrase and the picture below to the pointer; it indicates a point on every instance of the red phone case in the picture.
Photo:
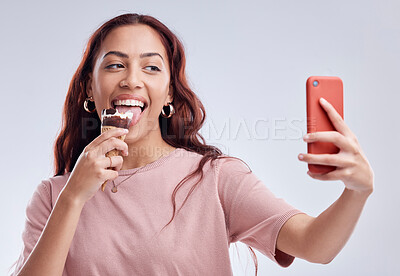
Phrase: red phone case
(331, 89)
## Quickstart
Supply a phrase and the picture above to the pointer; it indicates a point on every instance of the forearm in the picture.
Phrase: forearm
(49, 255)
(328, 233)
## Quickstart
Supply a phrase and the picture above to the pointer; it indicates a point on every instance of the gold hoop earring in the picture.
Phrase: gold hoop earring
(86, 104)
(171, 111)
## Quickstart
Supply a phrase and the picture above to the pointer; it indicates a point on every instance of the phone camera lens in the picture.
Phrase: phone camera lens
(315, 83)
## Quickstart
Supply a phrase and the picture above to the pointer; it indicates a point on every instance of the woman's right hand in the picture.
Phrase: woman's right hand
(90, 170)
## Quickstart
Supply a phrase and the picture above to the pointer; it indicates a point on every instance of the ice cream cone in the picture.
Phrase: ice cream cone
(110, 119)
(113, 152)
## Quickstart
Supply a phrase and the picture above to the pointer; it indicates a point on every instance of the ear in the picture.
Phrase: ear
(89, 90)
(170, 96)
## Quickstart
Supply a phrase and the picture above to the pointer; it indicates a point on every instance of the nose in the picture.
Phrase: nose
(131, 80)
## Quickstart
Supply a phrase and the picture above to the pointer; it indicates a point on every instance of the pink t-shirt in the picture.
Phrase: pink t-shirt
(119, 233)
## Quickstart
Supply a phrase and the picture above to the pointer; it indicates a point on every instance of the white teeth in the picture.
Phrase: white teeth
(129, 103)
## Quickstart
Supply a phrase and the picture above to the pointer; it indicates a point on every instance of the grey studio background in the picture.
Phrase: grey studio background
(248, 62)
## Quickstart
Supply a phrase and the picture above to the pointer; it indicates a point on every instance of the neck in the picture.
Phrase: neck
(142, 153)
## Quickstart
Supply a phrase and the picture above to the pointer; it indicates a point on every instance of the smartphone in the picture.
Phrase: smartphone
(331, 89)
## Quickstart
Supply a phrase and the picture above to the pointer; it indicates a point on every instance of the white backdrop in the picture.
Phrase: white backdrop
(248, 61)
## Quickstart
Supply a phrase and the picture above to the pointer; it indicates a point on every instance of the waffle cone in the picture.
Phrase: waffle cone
(113, 152)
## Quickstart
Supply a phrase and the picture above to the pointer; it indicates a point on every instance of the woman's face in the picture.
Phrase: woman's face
(132, 62)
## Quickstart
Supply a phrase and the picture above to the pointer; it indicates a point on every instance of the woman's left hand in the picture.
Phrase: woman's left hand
(352, 166)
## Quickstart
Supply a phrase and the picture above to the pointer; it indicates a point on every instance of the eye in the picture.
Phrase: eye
(114, 66)
(153, 68)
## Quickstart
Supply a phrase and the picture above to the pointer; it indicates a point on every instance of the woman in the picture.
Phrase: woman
(134, 227)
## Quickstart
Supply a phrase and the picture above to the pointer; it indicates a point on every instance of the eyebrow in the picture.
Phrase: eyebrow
(123, 55)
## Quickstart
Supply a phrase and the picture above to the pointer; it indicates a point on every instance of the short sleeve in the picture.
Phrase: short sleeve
(253, 214)
(37, 212)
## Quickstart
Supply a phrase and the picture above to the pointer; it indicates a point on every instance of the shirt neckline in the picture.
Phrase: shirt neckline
(151, 165)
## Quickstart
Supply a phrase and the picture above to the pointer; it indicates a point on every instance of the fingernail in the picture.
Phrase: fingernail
(305, 137)
(125, 130)
(301, 156)
(323, 101)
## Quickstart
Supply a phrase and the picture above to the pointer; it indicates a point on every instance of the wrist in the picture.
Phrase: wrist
(69, 199)
(363, 195)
